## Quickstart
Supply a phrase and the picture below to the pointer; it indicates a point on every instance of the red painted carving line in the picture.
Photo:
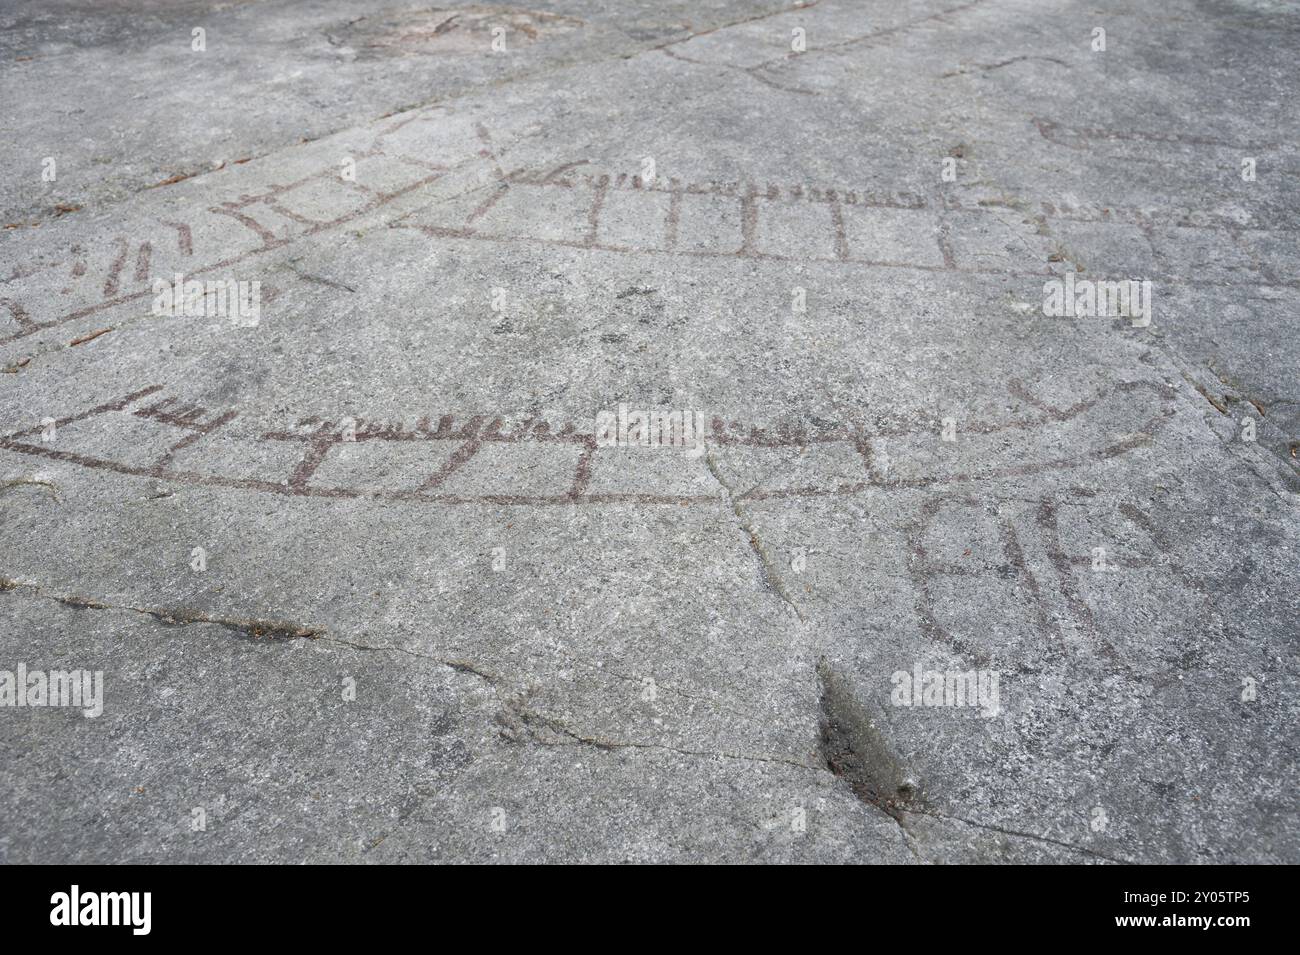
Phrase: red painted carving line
(904, 201)
(593, 214)
(356, 186)
(453, 464)
(1143, 219)
(206, 427)
(497, 195)
(142, 262)
(788, 437)
(184, 238)
(1046, 520)
(924, 571)
(117, 404)
(1165, 547)
(25, 270)
(901, 201)
(749, 224)
(413, 116)
(269, 240)
(1048, 130)
(797, 192)
(944, 238)
(224, 263)
(278, 189)
(841, 238)
(418, 163)
(863, 446)
(1144, 521)
(185, 418)
(753, 72)
(674, 219)
(722, 435)
(445, 232)
(875, 480)
(908, 202)
(582, 471)
(741, 435)
(806, 5)
(921, 574)
(551, 177)
(714, 187)
(330, 176)
(298, 486)
(280, 209)
(784, 435)
(272, 487)
(1040, 273)
(312, 459)
(1016, 556)
(1018, 389)
(153, 471)
(18, 314)
(321, 280)
(320, 442)
(1107, 214)
(489, 151)
(378, 431)
(115, 270)
(756, 72)
(1136, 440)
(879, 482)
(198, 432)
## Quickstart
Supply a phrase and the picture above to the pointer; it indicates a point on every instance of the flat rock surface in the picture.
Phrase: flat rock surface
(366, 582)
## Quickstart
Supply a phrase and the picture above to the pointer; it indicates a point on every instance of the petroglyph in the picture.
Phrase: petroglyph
(398, 549)
(437, 458)
(618, 212)
(449, 31)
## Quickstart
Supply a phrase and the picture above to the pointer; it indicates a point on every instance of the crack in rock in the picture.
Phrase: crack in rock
(767, 566)
(519, 722)
(856, 750)
(251, 630)
(257, 630)
(460, 666)
(49, 486)
(1019, 834)
(989, 67)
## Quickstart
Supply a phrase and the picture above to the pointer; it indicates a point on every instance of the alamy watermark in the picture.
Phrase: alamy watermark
(1085, 298)
(75, 907)
(239, 301)
(973, 688)
(80, 688)
(653, 428)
